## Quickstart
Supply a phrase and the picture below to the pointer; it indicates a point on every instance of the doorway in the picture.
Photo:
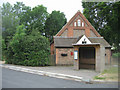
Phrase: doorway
(87, 58)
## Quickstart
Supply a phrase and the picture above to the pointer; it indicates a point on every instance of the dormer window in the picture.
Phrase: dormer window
(79, 23)
(82, 24)
(75, 24)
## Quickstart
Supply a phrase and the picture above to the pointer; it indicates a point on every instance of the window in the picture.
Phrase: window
(82, 24)
(79, 24)
(74, 23)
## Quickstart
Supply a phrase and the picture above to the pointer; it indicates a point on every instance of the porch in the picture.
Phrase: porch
(89, 56)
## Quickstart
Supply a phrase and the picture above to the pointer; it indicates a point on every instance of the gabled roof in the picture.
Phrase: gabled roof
(100, 40)
(64, 41)
(72, 19)
(69, 41)
(83, 39)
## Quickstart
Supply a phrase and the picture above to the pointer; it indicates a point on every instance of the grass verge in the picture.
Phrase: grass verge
(110, 74)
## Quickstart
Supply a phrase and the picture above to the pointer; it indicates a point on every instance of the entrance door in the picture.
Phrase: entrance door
(87, 57)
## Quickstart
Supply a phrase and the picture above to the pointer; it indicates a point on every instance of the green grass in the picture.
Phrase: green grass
(97, 77)
(108, 74)
(111, 70)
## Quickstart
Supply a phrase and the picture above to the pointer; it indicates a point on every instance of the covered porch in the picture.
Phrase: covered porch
(89, 56)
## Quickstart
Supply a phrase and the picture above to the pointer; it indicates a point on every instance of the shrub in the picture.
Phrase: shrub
(116, 55)
(28, 50)
(3, 48)
(36, 50)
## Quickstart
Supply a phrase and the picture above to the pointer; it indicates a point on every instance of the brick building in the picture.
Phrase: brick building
(79, 44)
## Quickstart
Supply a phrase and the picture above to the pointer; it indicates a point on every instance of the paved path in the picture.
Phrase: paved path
(15, 79)
(64, 72)
(68, 70)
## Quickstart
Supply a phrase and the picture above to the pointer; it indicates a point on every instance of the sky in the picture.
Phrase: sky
(68, 7)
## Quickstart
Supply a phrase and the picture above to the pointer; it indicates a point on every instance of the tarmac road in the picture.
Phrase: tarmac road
(16, 79)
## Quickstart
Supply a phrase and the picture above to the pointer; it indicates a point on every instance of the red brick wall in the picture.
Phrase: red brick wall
(70, 26)
(64, 60)
(52, 48)
(70, 32)
(87, 32)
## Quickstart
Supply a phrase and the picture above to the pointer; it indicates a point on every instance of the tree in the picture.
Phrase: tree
(104, 17)
(38, 17)
(12, 16)
(30, 50)
(13, 51)
(23, 12)
(36, 49)
(2, 49)
(54, 23)
(9, 22)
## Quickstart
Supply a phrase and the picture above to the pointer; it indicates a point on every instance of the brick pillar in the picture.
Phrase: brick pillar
(56, 56)
(87, 32)
(70, 32)
(109, 56)
(100, 58)
(76, 62)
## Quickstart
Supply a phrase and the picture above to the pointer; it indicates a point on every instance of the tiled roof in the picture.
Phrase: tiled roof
(101, 41)
(68, 41)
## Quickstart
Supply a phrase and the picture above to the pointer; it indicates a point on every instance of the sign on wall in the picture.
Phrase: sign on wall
(75, 55)
(84, 40)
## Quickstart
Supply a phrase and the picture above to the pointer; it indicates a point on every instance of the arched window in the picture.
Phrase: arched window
(79, 23)
(82, 24)
(75, 24)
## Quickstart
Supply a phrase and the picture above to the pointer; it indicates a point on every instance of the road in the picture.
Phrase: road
(16, 79)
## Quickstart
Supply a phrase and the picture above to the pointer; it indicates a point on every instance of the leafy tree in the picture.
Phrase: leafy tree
(104, 17)
(30, 50)
(38, 17)
(54, 23)
(3, 49)
(36, 49)
(9, 22)
(23, 12)
(13, 52)
(12, 16)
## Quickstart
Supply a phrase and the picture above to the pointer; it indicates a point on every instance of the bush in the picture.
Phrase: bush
(3, 49)
(36, 50)
(28, 50)
(116, 55)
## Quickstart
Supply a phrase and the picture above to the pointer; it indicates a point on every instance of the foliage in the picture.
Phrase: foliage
(36, 50)
(3, 49)
(13, 52)
(23, 29)
(54, 23)
(30, 50)
(37, 19)
(9, 22)
(104, 17)
(116, 55)
(22, 12)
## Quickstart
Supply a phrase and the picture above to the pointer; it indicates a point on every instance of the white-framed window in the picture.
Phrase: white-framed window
(79, 22)
(75, 24)
(82, 24)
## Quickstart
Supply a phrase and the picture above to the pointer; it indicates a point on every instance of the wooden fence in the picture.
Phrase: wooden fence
(52, 60)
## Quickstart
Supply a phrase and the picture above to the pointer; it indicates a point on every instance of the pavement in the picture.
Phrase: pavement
(16, 79)
(64, 72)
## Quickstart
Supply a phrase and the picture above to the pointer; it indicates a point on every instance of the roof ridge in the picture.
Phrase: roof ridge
(63, 37)
(95, 37)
